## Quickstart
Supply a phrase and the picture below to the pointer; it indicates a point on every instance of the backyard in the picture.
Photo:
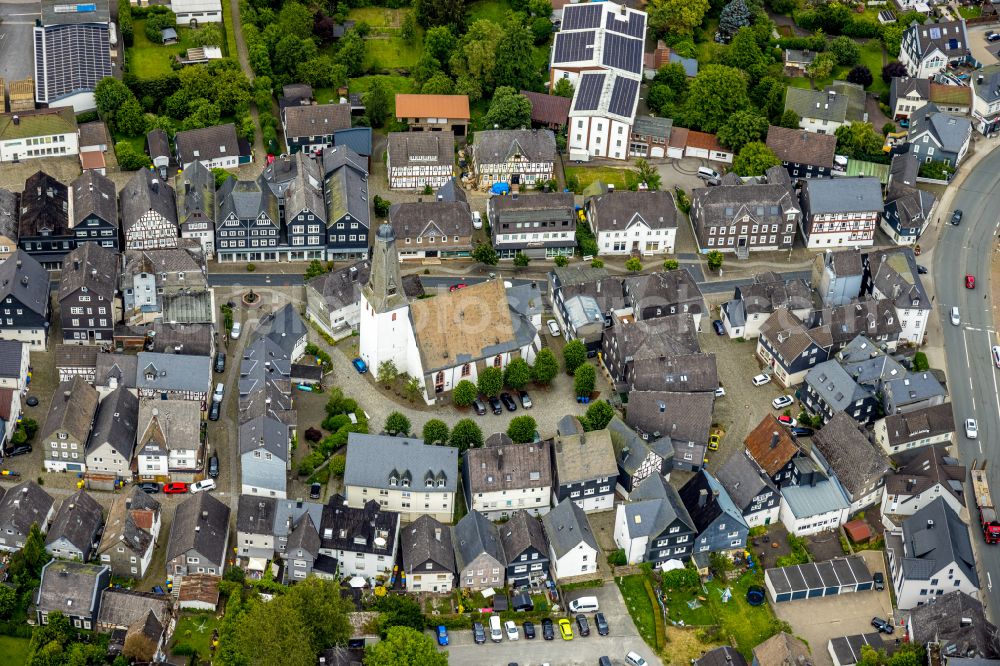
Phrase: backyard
(148, 60)
(195, 630)
(13, 651)
(587, 175)
(384, 46)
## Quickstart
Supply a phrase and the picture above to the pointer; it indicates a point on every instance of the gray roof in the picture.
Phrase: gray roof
(157, 141)
(246, 199)
(451, 191)
(121, 608)
(584, 456)
(653, 506)
(510, 468)
(784, 332)
(116, 422)
(255, 514)
(316, 119)
(675, 372)
(346, 186)
(855, 460)
(305, 191)
(195, 189)
(718, 501)
(680, 416)
(579, 274)
(72, 588)
(9, 207)
(372, 459)
(894, 274)
(631, 450)
(169, 424)
(431, 218)
(342, 287)
(835, 386)
(421, 148)
(938, 35)
(935, 538)
(902, 86)
(721, 656)
(54, 13)
(566, 526)
(841, 195)
(271, 435)
(799, 56)
(146, 192)
(208, 142)
(848, 648)
(369, 529)
(920, 424)
(283, 327)
(618, 211)
(914, 387)
(24, 504)
(201, 523)
(951, 132)
(742, 480)
(805, 501)
(73, 407)
(500, 146)
(520, 532)
(845, 263)
(876, 318)
(173, 372)
(909, 208)
(78, 519)
(531, 207)
(654, 125)
(94, 194)
(94, 134)
(287, 513)
(11, 355)
(931, 466)
(721, 205)
(904, 169)
(427, 540)
(92, 266)
(130, 520)
(118, 367)
(22, 277)
(989, 89)
(839, 102)
(664, 289)
(769, 291)
(475, 535)
(304, 536)
(944, 620)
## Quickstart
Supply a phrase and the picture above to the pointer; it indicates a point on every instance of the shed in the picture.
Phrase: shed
(858, 531)
(169, 36)
(822, 579)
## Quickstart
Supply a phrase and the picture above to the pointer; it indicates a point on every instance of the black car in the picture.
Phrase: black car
(548, 632)
(213, 466)
(956, 217)
(478, 405)
(149, 487)
(529, 630)
(582, 624)
(214, 410)
(496, 406)
(478, 633)
(602, 624)
(879, 580)
(508, 402)
(802, 432)
(220, 362)
(921, 270)
(19, 450)
(719, 328)
(882, 625)
(315, 490)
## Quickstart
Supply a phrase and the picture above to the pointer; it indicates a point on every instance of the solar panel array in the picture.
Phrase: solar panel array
(582, 17)
(623, 96)
(588, 96)
(622, 53)
(573, 46)
(633, 26)
(71, 58)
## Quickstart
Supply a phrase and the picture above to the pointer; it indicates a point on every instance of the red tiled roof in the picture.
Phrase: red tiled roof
(6, 402)
(679, 137)
(92, 159)
(432, 106)
(704, 141)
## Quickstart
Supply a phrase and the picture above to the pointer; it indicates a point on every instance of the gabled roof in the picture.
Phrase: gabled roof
(782, 650)
(654, 505)
(548, 109)
(935, 538)
(509, 468)
(566, 526)
(146, 192)
(94, 194)
(366, 530)
(584, 456)
(73, 407)
(950, 132)
(195, 189)
(674, 372)
(44, 207)
(681, 416)
(835, 386)
(721, 205)
(721, 656)
(788, 336)
(919, 424)
(893, 272)
(305, 191)
(201, 523)
(475, 535)
(176, 372)
(949, 37)
(207, 143)
(619, 211)
(157, 142)
(89, 266)
(800, 146)
(841, 195)
(373, 459)
(121, 608)
(855, 460)
(771, 446)
(70, 587)
(24, 504)
(427, 540)
(255, 514)
(421, 148)
(304, 536)
(130, 521)
(520, 532)
(169, 424)
(116, 422)
(931, 466)
(346, 186)
(316, 119)
(78, 519)
(94, 134)
(9, 209)
(454, 107)
(431, 218)
(742, 480)
(706, 499)
(957, 621)
(500, 146)
(22, 277)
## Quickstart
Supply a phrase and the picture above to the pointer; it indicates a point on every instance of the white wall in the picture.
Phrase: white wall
(59, 145)
(811, 524)
(105, 459)
(498, 505)
(663, 238)
(882, 439)
(635, 548)
(907, 505)
(817, 126)
(580, 561)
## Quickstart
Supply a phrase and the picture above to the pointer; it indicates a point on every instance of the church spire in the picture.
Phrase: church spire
(384, 289)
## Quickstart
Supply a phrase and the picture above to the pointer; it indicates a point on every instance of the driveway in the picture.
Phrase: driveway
(581, 651)
(982, 50)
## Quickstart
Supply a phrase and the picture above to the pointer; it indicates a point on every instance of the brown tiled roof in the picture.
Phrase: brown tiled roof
(793, 145)
(432, 106)
(704, 141)
(511, 468)
(94, 134)
(920, 424)
(931, 466)
(316, 119)
(72, 410)
(758, 445)
(851, 456)
(782, 650)
(790, 337)
(548, 109)
(200, 587)
(92, 159)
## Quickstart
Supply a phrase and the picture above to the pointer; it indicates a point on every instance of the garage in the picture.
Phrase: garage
(813, 580)
(846, 650)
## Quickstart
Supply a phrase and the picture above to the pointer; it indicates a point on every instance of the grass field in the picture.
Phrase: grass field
(871, 57)
(195, 629)
(148, 59)
(488, 9)
(229, 29)
(640, 606)
(384, 47)
(967, 12)
(587, 175)
(13, 651)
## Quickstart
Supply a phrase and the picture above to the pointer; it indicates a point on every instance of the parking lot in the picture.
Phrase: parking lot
(581, 651)
(983, 51)
(17, 21)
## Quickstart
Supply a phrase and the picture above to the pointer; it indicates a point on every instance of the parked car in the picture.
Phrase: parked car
(956, 318)
(477, 220)
(787, 420)
(220, 362)
(213, 466)
(456, 287)
(970, 281)
(360, 366)
(149, 487)
(508, 402)
(529, 630)
(220, 391)
(234, 334)
(565, 629)
(510, 628)
(478, 405)
(525, 399)
(582, 624)
(800, 431)
(633, 659)
(553, 328)
(602, 624)
(214, 411)
(782, 401)
(720, 392)
(315, 490)
(879, 579)
(971, 428)
(713, 442)
(18, 450)
(442, 635)
(496, 406)
(956, 217)
(720, 329)
(175, 487)
(992, 36)
(478, 633)
(921, 270)
(548, 632)
(204, 484)
(761, 379)
(882, 625)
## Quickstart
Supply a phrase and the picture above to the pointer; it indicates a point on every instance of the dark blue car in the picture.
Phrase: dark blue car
(360, 366)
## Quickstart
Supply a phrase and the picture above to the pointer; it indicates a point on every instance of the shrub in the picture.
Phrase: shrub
(466, 435)
(546, 367)
(561, 261)
(584, 379)
(464, 393)
(574, 355)
(617, 558)
(251, 268)
(338, 464)
(490, 382)
(313, 434)
(522, 429)
(435, 432)
(920, 363)
(397, 423)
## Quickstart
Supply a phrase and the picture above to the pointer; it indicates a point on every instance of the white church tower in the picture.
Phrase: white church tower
(385, 329)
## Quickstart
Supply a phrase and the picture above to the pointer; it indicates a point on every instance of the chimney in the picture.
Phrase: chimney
(775, 438)
(499, 459)
(76, 264)
(966, 622)
(930, 524)
(440, 197)
(702, 498)
(437, 533)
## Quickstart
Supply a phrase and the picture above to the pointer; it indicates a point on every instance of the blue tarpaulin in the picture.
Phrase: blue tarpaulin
(500, 188)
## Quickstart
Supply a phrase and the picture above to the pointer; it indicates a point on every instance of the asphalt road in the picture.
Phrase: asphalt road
(17, 40)
(972, 377)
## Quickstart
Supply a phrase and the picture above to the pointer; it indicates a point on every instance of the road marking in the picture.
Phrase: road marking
(989, 581)
(965, 343)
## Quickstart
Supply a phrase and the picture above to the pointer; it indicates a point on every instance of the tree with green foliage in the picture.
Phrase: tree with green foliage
(351, 53)
(130, 159)
(324, 612)
(440, 43)
(676, 17)
(858, 140)
(845, 50)
(268, 633)
(315, 269)
(584, 380)
(110, 94)
(744, 53)
(209, 34)
(435, 432)
(405, 646)
(396, 423)
(754, 159)
(157, 22)
(563, 88)
(734, 16)
(546, 367)
(671, 264)
(408, 29)
(633, 264)
(387, 373)
(439, 84)
(509, 109)
(521, 260)
(381, 206)
(513, 66)
(522, 429)
(465, 435)
(574, 355)
(221, 176)
(937, 170)
(861, 75)
(892, 70)
(129, 118)
(560, 261)
(769, 96)
(743, 127)
(377, 103)
(648, 174)
(598, 415)
(202, 113)
(490, 382)
(430, 13)
(8, 602)
(338, 464)
(822, 66)
(714, 96)
(714, 259)
(789, 119)
(517, 374)
(295, 19)
(476, 56)
(485, 254)
(464, 393)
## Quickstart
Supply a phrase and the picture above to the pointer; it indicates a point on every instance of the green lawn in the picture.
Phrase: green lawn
(13, 651)
(384, 48)
(970, 12)
(748, 625)
(587, 175)
(871, 57)
(148, 59)
(493, 10)
(229, 29)
(640, 606)
(195, 629)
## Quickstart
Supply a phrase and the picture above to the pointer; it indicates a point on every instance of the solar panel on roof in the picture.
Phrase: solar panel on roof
(622, 53)
(634, 24)
(588, 97)
(623, 96)
(582, 17)
(573, 47)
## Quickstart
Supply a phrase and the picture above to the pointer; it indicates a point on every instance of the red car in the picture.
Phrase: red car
(175, 487)
(970, 281)
(786, 420)
(456, 287)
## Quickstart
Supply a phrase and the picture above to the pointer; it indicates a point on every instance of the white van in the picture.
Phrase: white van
(956, 319)
(584, 605)
(477, 220)
(496, 631)
(219, 391)
(996, 355)
(707, 174)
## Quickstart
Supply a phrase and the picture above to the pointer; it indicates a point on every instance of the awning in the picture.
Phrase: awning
(256, 563)
(357, 581)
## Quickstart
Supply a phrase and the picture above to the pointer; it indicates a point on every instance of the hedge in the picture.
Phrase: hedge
(661, 630)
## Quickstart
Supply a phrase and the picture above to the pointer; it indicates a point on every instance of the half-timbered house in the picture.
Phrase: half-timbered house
(149, 213)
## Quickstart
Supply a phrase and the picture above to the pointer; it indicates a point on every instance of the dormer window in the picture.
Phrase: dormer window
(406, 483)
(392, 480)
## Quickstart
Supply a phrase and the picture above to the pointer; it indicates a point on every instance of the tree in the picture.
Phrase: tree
(129, 159)
(713, 96)
(677, 17)
(743, 127)
(744, 53)
(647, 174)
(269, 633)
(822, 66)
(754, 159)
(397, 424)
(323, 610)
(439, 84)
(464, 393)
(598, 415)
(671, 264)
(845, 50)
(720, 564)
(8, 602)
(508, 110)
(377, 103)
(139, 647)
(314, 269)
(157, 22)
(561, 261)
(476, 56)
(404, 646)
(522, 429)
(413, 388)
(563, 88)
(861, 75)
(889, 71)
(129, 119)
(633, 264)
(734, 16)
(430, 13)
(521, 260)
(789, 119)
(202, 113)
(512, 67)
(769, 96)
(517, 374)
(435, 432)
(440, 42)
(546, 366)
(858, 140)
(584, 380)
(109, 95)
(209, 34)
(490, 382)
(387, 373)
(295, 19)
(381, 206)
(485, 254)
(465, 435)
(408, 29)
(574, 355)
(714, 259)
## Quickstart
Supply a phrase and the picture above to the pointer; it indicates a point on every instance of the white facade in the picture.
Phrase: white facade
(581, 560)
(388, 336)
(841, 230)
(105, 459)
(913, 593)
(34, 338)
(195, 12)
(923, 67)
(907, 505)
(598, 136)
(500, 504)
(50, 145)
(882, 439)
(649, 241)
(363, 563)
(912, 321)
(605, 501)
(18, 382)
(152, 464)
(634, 546)
(408, 502)
(204, 233)
(815, 523)
(819, 125)
(150, 232)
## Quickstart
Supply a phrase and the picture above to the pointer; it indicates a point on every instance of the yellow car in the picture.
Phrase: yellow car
(713, 442)
(566, 629)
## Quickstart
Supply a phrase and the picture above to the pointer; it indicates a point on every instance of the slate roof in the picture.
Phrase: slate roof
(170, 424)
(583, 457)
(939, 35)
(510, 468)
(848, 648)
(679, 373)
(664, 288)
(841, 195)
(664, 336)
(342, 527)
(522, 531)
(935, 538)
(342, 287)
(413, 148)
(680, 416)
(717, 503)
(631, 450)
(346, 186)
(789, 336)
(427, 540)
(92, 266)
(130, 521)
(95, 194)
(304, 536)
(475, 535)
(431, 218)
(119, 367)
(255, 514)
(920, 424)
(78, 519)
(11, 355)
(930, 466)
(909, 208)
(70, 587)
(943, 620)
(855, 460)
(759, 445)
(210, 538)
(146, 192)
(283, 327)
(548, 109)
(73, 407)
(894, 274)
(566, 526)
(94, 134)
(835, 386)
(911, 388)
(816, 104)
(989, 90)
(22, 277)
(175, 372)
(157, 142)
(500, 146)
(195, 190)
(653, 506)
(721, 205)
(800, 146)
(617, 211)
(305, 191)
(9, 208)
(316, 119)
(372, 459)
(44, 207)
(947, 130)
(845, 263)
(116, 422)
(207, 143)
(742, 480)
(826, 496)
(121, 608)
(721, 656)
(24, 504)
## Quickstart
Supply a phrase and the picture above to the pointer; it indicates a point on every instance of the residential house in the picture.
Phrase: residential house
(192, 13)
(429, 229)
(719, 523)
(265, 443)
(681, 418)
(823, 111)
(548, 111)
(174, 377)
(199, 537)
(383, 468)
(255, 521)
(907, 94)
(628, 222)
(500, 480)
(901, 432)
(168, 445)
(837, 274)
(818, 506)
(931, 554)
(248, 222)
(680, 373)
(775, 453)
(43, 229)
(782, 649)
(797, 61)
(416, 161)
(829, 390)
(434, 113)
(537, 225)
(606, 88)
(28, 135)
(114, 370)
(121, 608)
(215, 147)
(651, 134)
(302, 553)
(158, 147)
(930, 474)
(584, 470)
(573, 549)
(752, 304)
(479, 557)
(985, 87)
(803, 154)
(73, 534)
(637, 460)
(21, 506)
(518, 157)
(24, 299)
(955, 621)
(112, 439)
(754, 494)
(333, 299)
(893, 274)
(73, 589)
(721, 656)
(744, 217)
(166, 286)
(936, 136)
(910, 392)
(348, 217)
(10, 413)
(662, 294)
(304, 212)
(907, 210)
(631, 352)
(67, 426)
(789, 350)
(364, 540)
(654, 525)
(196, 207)
(9, 210)
(929, 48)
(843, 449)
(840, 212)
(130, 534)
(94, 210)
(288, 514)
(88, 286)
(581, 295)
(312, 128)
(707, 147)
(525, 549)
(14, 359)
(428, 555)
